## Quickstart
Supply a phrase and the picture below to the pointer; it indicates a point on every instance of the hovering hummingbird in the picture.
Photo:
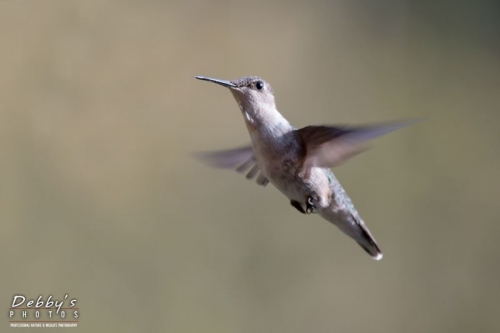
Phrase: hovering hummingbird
(298, 161)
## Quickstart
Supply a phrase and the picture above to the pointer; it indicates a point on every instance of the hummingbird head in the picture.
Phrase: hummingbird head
(254, 96)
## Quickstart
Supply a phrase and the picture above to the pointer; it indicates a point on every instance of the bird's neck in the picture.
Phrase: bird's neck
(267, 121)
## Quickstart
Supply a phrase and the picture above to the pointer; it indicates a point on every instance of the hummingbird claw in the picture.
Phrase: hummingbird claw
(310, 207)
(297, 206)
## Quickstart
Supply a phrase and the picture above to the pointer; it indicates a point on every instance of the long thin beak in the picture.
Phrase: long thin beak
(223, 83)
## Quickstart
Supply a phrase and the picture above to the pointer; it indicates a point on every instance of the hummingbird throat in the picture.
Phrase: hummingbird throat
(247, 116)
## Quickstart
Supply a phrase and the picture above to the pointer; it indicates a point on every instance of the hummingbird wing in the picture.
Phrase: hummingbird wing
(240, 159)
(330, 146)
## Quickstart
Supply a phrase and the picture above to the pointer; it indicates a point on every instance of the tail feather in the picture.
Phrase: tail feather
(372, 248)
(354, 227)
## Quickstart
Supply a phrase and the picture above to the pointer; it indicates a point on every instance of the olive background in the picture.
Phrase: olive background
(101, 199)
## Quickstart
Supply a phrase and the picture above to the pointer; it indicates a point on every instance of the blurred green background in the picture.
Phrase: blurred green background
(101, 199)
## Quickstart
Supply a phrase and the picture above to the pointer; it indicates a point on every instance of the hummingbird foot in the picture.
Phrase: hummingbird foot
(297, 206)
(310, 207)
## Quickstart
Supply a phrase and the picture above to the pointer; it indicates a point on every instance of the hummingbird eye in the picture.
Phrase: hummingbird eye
(259, 85)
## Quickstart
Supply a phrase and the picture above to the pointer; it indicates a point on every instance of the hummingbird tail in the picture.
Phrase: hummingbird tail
(352, 225)
(370, 245)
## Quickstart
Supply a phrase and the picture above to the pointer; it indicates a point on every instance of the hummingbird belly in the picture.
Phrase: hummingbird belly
(287, 177)
(280, 159)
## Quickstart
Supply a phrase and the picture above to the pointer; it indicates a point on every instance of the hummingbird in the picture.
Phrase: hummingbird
(298, 162)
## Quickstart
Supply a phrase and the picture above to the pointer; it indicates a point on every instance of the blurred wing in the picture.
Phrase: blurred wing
(239, 159)
(330, 146)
